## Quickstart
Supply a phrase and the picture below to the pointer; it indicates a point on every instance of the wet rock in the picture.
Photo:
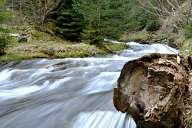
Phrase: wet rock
(23, 38)
(152, 90)
(2, 63)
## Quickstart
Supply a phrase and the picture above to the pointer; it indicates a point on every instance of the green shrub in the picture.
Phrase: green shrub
(68, 23)
(91, 36)
(4, 40)
(4, 33)
(188, 30)
(141, 36)
(153, 25)
(2, 45)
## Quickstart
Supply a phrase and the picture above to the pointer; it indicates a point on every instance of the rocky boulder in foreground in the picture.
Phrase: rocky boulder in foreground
(154, 90)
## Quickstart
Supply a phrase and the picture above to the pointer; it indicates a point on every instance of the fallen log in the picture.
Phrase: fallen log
(153, 90)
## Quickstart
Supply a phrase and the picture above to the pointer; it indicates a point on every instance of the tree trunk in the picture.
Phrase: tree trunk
(190, 7)
(153, 89)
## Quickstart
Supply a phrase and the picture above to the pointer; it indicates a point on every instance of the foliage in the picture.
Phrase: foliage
(188, 30)
(153, 25)
(104, 19)
(139, 18)
(109, 18)
(68, 22)
(4, 40)
(90, 20)
(4, 33)
(4, 15)
(140, 36)
(34, 12)
(136, 18)
(186, 48)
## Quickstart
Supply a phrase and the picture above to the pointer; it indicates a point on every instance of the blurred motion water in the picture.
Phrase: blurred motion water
(67, 93)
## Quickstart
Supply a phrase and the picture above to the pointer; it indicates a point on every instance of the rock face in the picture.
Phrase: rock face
(152, 90)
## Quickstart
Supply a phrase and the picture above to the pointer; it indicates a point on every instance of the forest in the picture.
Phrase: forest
(89, 22)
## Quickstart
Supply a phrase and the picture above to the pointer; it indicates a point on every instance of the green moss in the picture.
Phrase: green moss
(140, 36)
(188, 30)
(159, 36)
(54, 49)
(186, 47)
(74, 54)
(13, 57)
(109, 48)
(85, 50)
(117, 47)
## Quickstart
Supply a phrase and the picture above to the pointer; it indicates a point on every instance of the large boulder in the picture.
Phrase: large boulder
(153, 89)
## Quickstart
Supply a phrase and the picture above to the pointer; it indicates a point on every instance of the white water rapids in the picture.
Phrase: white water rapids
(66, 93)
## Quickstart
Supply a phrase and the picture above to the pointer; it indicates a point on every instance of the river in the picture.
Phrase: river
(67, 93)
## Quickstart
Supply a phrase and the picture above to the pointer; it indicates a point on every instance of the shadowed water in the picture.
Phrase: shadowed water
(66, 93)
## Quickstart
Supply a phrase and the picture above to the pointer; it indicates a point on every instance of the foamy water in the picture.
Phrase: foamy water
(67, 93)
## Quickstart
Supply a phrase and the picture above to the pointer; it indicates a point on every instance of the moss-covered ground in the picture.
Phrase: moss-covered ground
(43, 45)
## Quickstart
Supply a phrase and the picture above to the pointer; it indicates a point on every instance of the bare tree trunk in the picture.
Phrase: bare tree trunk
(161, 7)
(190, 7)
(20, 10)
(12, 9)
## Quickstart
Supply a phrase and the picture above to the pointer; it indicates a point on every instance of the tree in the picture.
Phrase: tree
(180, 9)
(109, 18)
(68, 22)
(33, 11)
(103, 18)
(4, 35)
(91, 11)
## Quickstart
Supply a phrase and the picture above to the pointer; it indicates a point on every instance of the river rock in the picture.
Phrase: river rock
(152, 89)
(23, 38)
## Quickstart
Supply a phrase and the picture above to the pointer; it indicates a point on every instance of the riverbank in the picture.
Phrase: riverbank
(172, 39)
(43, 45)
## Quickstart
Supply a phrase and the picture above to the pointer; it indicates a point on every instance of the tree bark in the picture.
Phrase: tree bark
(153, 89)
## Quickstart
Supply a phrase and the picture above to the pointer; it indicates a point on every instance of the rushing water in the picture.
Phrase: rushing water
(66, 93)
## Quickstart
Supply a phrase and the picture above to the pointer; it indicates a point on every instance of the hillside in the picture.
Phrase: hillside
(147, 22)
(38, 30)
(175, 30)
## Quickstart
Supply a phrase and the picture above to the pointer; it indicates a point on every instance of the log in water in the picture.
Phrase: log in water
(154, 90)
